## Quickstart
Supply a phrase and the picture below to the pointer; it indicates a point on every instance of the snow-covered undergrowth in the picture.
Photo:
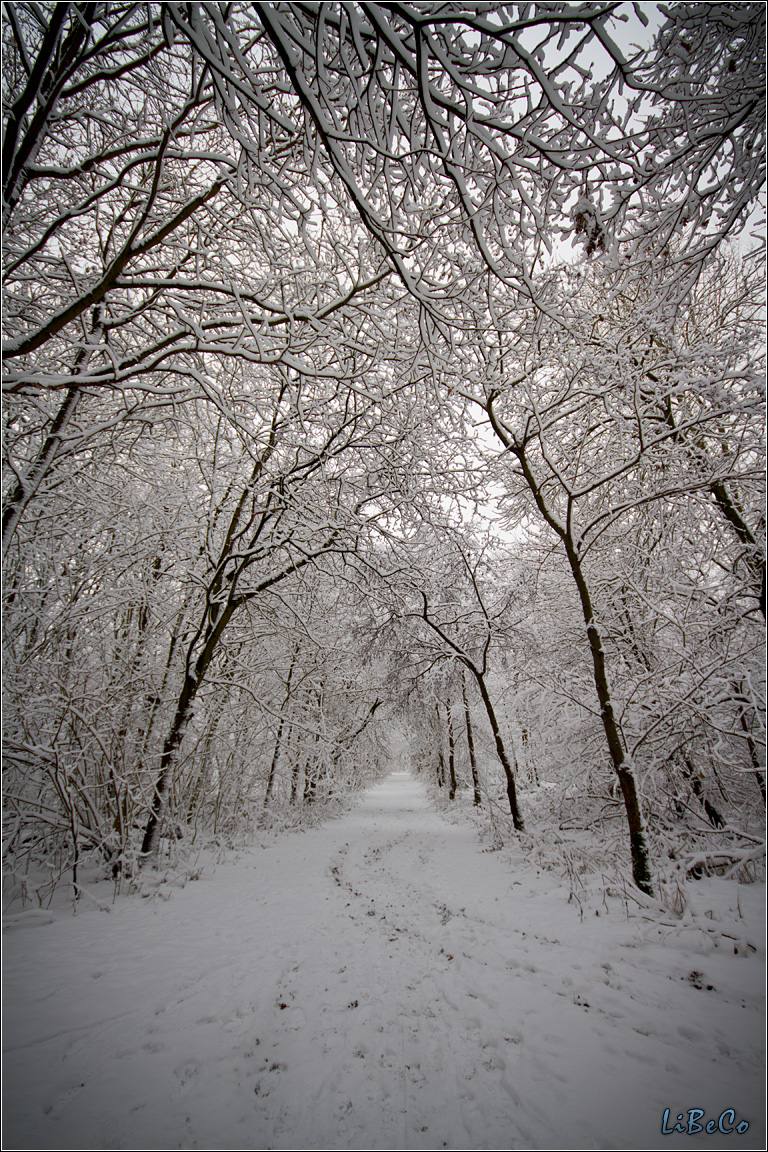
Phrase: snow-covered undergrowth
(591, 858)
(385, 980)
(181, 855)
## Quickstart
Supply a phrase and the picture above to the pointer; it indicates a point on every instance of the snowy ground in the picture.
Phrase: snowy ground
(380, 982)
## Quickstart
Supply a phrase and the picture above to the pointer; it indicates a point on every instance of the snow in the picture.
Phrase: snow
(383, 981)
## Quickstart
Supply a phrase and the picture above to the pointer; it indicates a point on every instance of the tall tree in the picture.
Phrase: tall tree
(144, 251)
(635, 413)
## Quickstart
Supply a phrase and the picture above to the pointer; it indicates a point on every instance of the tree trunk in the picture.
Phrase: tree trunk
(479, 675)
(693, 778)
(451, 756)
(622, 765)
(501, 752)
(274, 762)
(172, 741)
(279, 737)
(440, 757)
(192, 682)
(470, 745)
(311, 775)
(755, 557)
(27, 486)
(440, 768)
(295, 769)
(204, 776)
(746, 727)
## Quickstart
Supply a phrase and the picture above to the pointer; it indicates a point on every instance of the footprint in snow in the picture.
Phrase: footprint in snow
(153, 1046)
(186, 1072)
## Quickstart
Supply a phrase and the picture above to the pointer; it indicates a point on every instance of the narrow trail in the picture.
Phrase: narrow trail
(381, 982)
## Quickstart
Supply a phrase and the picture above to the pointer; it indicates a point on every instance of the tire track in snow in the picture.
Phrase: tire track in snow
(433, 980)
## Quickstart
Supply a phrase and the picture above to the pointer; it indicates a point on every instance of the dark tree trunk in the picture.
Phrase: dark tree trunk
(295, 769)
(311, 776)
(279, 737)
(624, 769)
(470, 745)
(451, 756)
(440, 757)
(501, 752)
(26, 488)
(202, 780)
(172, 741)
(192, 682)
(755, 556)
(274, 762)
(746, 728)
(693, 778)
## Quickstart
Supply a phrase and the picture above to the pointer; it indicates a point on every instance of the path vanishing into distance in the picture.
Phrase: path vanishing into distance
(382, 981)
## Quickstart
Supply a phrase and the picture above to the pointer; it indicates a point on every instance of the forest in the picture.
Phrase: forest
(383, 382)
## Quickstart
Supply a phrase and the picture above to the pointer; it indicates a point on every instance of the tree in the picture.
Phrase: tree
(123, 685)
(594, 432)
(439, 590)
(470, 744)
(147, 260)
(302, 499)
(478, 669)
(272, 274)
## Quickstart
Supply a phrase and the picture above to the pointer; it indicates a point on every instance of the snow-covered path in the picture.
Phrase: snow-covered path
(381, 982)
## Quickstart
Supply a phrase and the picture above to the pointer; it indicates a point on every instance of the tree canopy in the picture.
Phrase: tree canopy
(378, 367)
